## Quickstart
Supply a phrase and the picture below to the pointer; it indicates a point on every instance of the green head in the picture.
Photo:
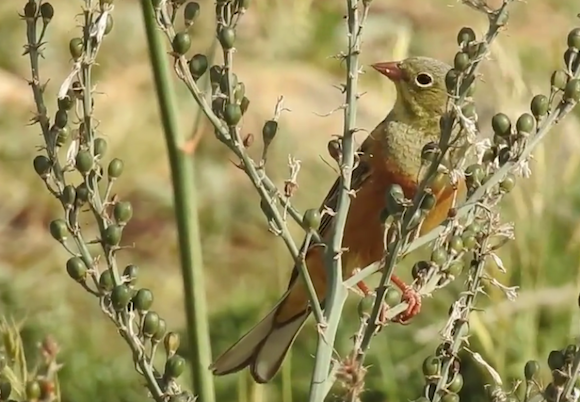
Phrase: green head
(420, 83)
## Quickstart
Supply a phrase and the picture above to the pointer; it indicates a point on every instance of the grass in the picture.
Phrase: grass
(246, 267)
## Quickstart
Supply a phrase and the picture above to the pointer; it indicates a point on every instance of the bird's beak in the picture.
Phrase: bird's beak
(390, 69)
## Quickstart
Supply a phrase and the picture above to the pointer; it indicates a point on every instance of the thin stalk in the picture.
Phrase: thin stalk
(182, 175)
(337, 292)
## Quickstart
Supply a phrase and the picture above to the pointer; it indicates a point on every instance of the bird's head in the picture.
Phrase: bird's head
(420, 83)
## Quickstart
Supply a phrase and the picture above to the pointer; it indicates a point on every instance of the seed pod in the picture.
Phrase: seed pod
(115, 168)
(539, 105)
(531, 368)
(106, 281)
(190, 13)
(76, 269)
(198, 65)
(171, 343)
(42, 166)
(160, 333)
(130, 273)
(123, 212)
(431, 366)
(112, 235)
(143, 300)
(84, 162)
(109, 24)
(559, 79)
(174, 366)
(75, 47)
(465, 35)
(461, 61)
(572, 90)
(59, 230)
(120, 297)
(150, 324)
(46, 12)
(269, 131)
(30, 9)
(501, 125)
(232, 114)
(311, 219)
(227, 37)
(181, 43)
(573, 39)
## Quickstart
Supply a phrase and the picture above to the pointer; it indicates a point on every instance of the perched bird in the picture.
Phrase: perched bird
(390, 154)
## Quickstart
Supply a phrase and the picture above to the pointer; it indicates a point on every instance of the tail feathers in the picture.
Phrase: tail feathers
(263, 348)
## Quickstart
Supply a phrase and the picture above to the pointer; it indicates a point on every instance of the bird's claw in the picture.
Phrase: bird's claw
(413, 299)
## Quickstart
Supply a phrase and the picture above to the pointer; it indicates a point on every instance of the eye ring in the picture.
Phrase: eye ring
(424, 80)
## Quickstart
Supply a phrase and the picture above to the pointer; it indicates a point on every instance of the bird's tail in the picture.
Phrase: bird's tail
(263, 348)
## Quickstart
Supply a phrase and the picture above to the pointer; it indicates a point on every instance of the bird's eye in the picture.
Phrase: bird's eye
(424, 80)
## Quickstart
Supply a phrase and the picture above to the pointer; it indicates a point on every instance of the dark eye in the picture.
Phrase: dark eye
(423, 79)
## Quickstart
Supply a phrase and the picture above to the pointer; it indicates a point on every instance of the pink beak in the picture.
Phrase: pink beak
(390, 69)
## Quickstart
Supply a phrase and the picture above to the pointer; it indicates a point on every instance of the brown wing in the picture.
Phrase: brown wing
(359, 176)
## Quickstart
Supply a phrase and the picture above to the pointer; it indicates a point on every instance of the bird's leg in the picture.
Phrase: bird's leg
(412, 298)
(409, 295)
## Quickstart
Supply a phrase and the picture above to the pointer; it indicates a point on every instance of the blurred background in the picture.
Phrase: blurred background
(284, 48)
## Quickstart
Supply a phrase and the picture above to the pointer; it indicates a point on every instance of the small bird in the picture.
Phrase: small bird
(391, 154)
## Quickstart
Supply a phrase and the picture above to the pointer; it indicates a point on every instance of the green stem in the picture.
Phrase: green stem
(182, 176)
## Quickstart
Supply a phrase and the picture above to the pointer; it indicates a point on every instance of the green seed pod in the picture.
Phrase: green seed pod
(556, 360)
(68, 195)
(394, 198)
(181, 43)
(245, 4)
(531, 368)
(76, 269)
(112, 235)
(58, 230)
(465, 35)
(227, 37)
(61, 118)
(474, 174)
(32, 387)
(115, 168)
(456, 243)
(198, 65)
(525, 123)
(501, 125)
(75, 47)
(490, 154)
(539, 105)
(428, 202)
(191, 12)
(215, 74)
(107, 281)
(461, 61)
(392, 296)
(82, 194)
(574, 38)
(46, 12)
(431, 366)
(456, 267)
(120, 297)
(559, 79)
(450, 397)
(5, 388)
(456, 383)
(100, 146)
(232, 114)
(30, 9)
(150, 324)
(65, 103)
(62, 136)
(244, 105)
(174, 366)
(420, 268)
(84, 162)
(171, 343)
(311, 219)
(469, 110)
(109, 24)
(505, 155)
(572, 91)
(130, 273)
(439, 256)
(451, 81)
(269, 131)
(508, 183)
(160, 333)
(143, 300)
(42, 166)
(123, 212)
(430, 152)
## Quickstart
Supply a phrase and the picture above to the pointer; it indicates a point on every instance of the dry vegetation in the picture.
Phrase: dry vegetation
(238, 251)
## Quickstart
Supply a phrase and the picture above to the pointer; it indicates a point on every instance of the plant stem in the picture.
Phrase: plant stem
(337, 292)
(182, 174)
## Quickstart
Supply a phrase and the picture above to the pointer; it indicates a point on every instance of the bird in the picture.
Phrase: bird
(391, 154)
